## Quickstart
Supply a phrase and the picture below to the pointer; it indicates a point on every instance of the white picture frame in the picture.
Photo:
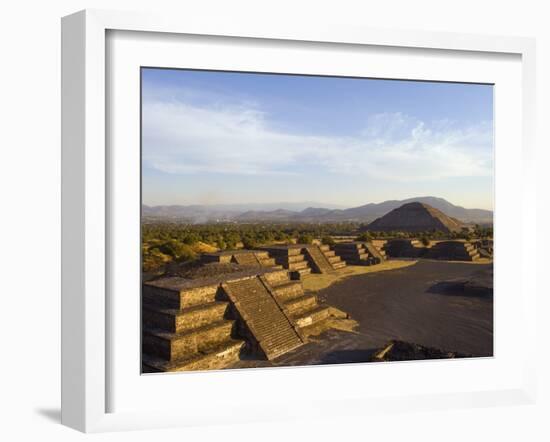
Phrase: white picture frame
(87, 204)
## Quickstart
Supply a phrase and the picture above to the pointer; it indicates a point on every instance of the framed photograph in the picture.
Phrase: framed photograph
(254, 213)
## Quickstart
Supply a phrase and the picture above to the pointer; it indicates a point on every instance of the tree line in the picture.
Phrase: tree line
(165, 242)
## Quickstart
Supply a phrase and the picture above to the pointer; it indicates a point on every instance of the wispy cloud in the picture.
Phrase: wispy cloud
(181, 137)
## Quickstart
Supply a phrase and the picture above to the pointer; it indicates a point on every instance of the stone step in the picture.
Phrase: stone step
(276, 277)
(246, 259)
(294, 251)
(334, 259)
(305, 318)
(287, 290)
(176, 321)
(299, 274)
(324, 248)
(316, 328)
(374, 252)
(278, 251)
(178, 299)
(318, 260)
(172, 346)
(293, 266)
(294, 258)
(329, 253)
(217, 357)
(263, 317)
(339, 265)
(267, 262)
(301, 303)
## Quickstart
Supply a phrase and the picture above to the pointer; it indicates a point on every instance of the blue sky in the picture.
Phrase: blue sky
(218, 137)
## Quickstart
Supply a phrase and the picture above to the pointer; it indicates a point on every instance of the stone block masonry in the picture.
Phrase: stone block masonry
(303, 259)
(272, 329)
(251, 258)
(209, 323)
(404, 248)
(358, 253)
(454, 251)
(319, 260)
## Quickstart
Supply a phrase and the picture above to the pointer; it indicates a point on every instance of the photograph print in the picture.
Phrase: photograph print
(303, 220)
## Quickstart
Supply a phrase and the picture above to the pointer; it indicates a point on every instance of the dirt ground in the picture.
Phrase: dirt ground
(425, 303)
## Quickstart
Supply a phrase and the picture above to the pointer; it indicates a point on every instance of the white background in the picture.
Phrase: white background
(30, 182)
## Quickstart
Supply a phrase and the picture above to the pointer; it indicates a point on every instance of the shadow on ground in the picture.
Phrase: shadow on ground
(347, 356)
(459, 288)
(51, 414)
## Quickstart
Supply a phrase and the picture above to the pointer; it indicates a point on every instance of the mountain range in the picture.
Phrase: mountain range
(305, 212)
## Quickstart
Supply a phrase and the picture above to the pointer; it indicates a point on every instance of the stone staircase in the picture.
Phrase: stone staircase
(304, 310)
(357, 253)
(187, 328)
(246, 259)
(453, 251)
(335, 261)
(375, 252)
(265, 260)
(291, 258)
(210, 323)
(322, 260)
(273, 332)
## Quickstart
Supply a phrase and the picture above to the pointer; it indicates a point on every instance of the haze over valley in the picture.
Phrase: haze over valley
(304, 212)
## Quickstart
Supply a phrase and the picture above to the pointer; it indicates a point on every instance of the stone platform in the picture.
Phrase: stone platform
(453, 251)
(359, 253)
(255, 258)
(210, 323)
(303, 259)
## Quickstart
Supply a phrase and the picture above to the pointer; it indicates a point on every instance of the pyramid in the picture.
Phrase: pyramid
(415, 217)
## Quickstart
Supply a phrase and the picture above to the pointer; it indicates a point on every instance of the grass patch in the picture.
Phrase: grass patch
(316, 282)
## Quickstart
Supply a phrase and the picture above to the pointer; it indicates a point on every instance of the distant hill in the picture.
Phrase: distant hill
(372, 211)
(263, 215)
(415, 217)
(306, 212)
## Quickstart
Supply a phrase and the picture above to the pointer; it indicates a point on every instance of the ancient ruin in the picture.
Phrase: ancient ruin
(210, 323)
(415, 217)
(359, 253)
(453, 250)
(251, 303)
(404, 248)
(251, 258)
(303, 259)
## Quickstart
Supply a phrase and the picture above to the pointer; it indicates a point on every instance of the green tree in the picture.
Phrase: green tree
(177, 250)
(305, 238)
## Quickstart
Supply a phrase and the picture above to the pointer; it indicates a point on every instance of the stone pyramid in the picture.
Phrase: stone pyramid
(415, 217)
